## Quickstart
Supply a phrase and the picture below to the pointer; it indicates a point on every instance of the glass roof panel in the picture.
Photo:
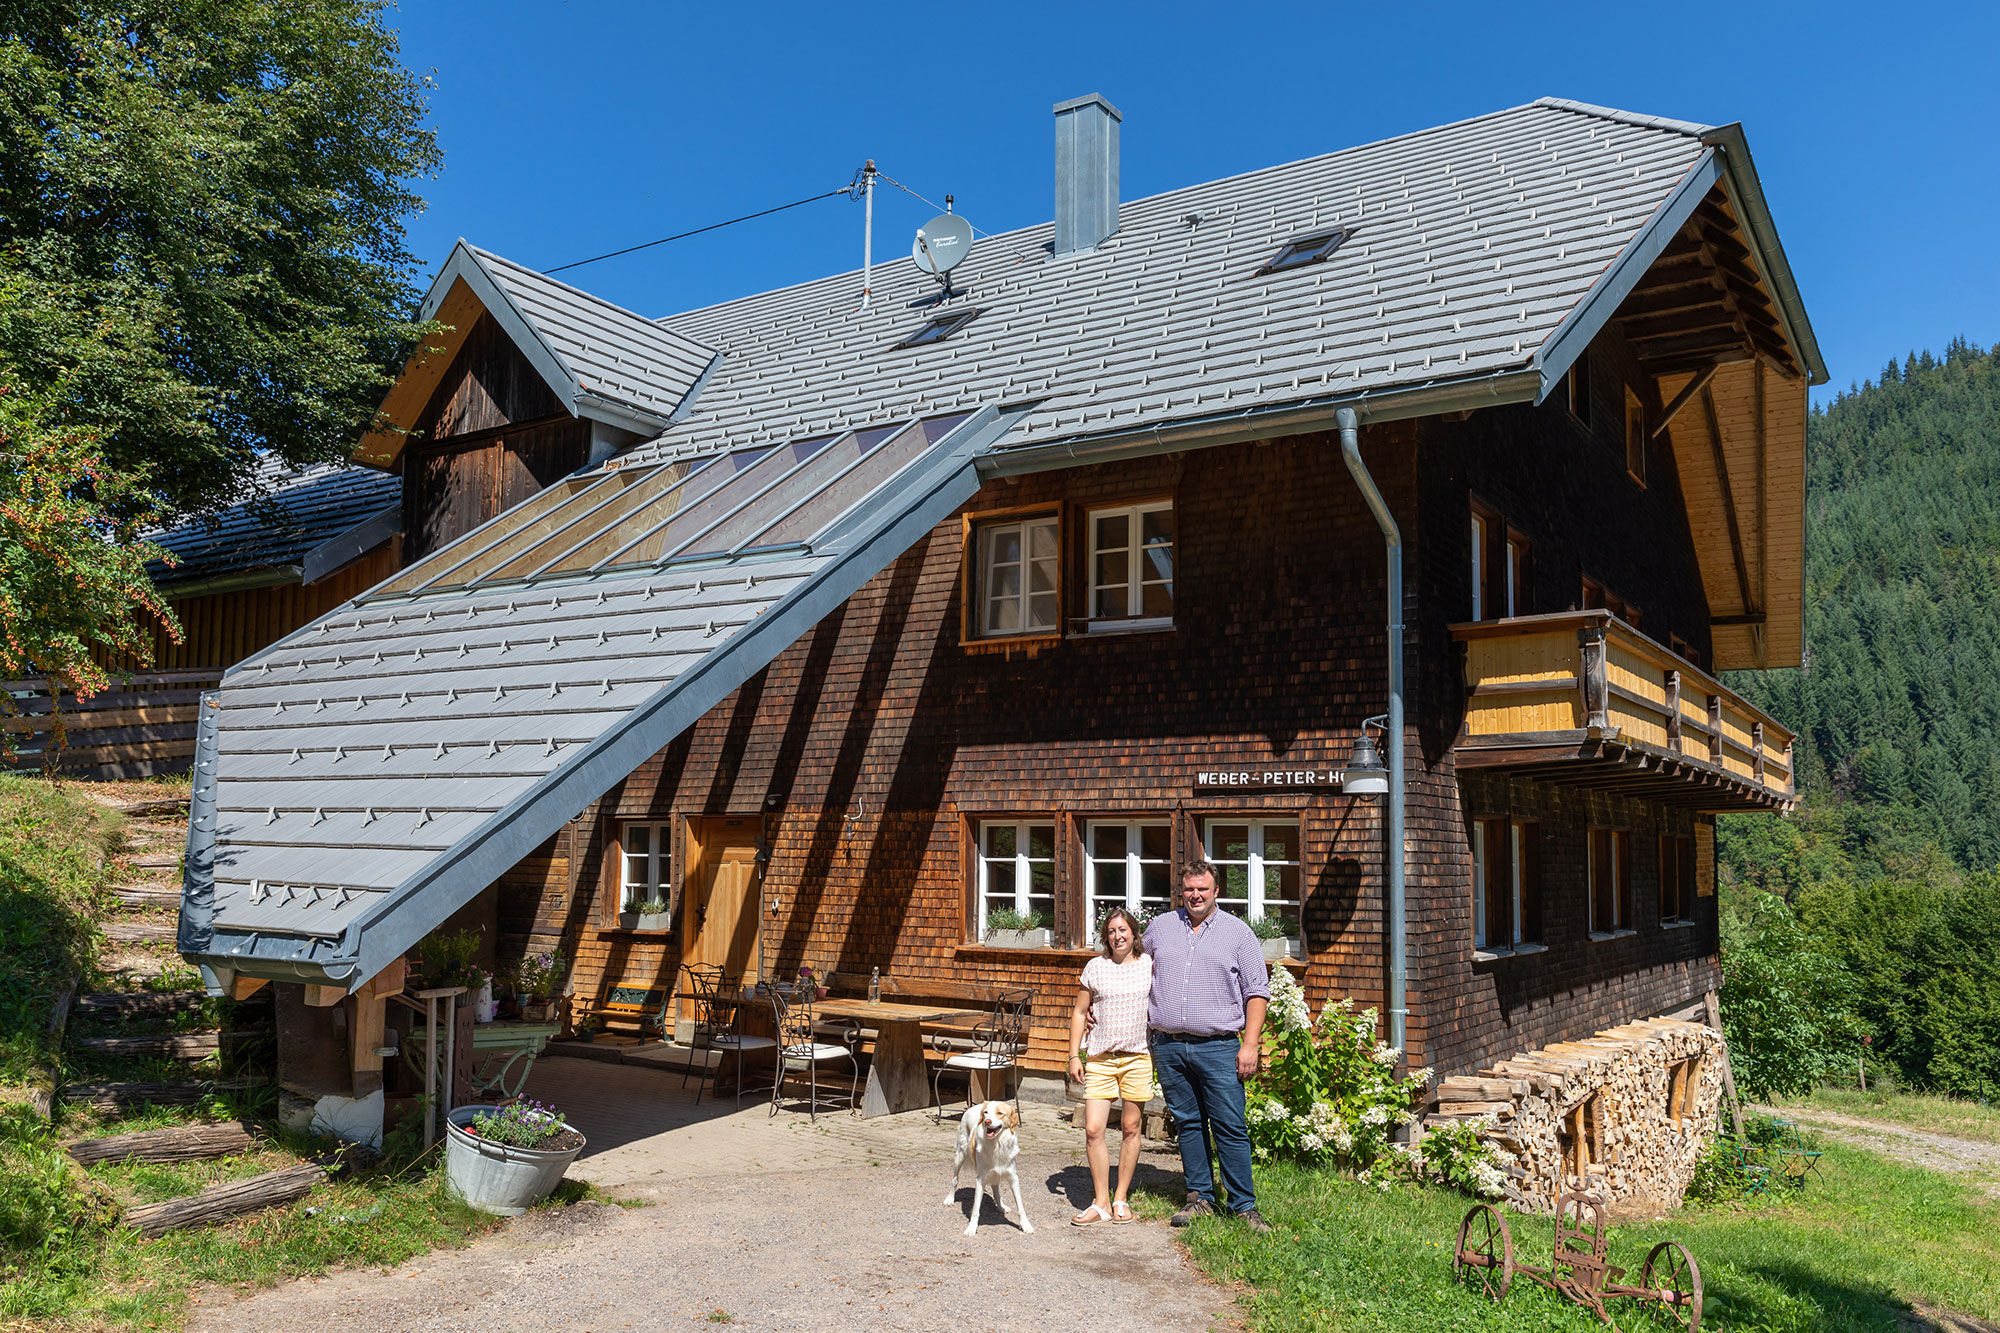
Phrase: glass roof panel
(769, 467)
(874, 468)
(797, 488)
(662, 490)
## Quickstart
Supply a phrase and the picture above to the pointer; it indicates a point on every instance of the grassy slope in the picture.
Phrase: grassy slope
(1847, 1255)
(53, 847)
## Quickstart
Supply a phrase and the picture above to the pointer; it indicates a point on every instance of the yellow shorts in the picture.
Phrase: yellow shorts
(1121, 1074)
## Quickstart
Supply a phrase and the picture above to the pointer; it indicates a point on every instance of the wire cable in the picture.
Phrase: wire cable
(713, 226)
(914, 195)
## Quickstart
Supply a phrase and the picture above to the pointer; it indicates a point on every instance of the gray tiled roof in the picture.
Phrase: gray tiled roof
(294, 514)
(1470, 244)
(609, 353)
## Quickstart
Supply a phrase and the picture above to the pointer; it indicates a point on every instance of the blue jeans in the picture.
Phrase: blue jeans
(1205, 1098)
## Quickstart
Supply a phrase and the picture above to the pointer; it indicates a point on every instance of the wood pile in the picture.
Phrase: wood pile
(1627, 1111)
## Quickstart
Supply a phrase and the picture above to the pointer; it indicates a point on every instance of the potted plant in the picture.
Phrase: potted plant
(1009, 929)
(1271, 933)
(506, 1160)
(811, 983)
(652, 915)
(586, 1027)
(537, 978)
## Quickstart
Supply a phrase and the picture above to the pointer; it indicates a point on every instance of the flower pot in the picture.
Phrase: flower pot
(483, 1008)
(652, 921)
(1277, 949)
(628, 921)
(1019, 939)
(537, 1011)
(496, 1177)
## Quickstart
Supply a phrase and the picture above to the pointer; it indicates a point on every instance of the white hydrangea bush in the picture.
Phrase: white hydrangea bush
(1329, 1094)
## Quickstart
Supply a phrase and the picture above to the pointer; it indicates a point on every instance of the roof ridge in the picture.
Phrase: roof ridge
(1690, 128)
(485, 254)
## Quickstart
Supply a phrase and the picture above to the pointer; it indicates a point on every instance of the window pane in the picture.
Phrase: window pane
(1281, 884)
(1107, 840)
(1042, 576)
(1000, 883)
(1041, 878)
(1157, 599)
(1236, 883)
(1042, 841)
(1110, 881)
(1006, 544)
(1000, 840)
(1156, 841)
(1003, 615)
(1042, 539)
(1281, 842)
(1113, 569)
(1006, 581)
(1113, 532)
(635, 837)
(1229, 842)
(1041, 611)
(1156, 526)
(1155, 883)
(1109, 602)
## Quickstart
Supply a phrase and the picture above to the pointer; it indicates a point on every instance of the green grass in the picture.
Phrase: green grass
(54, 844)
(1915, 1110)
(1848, 1254)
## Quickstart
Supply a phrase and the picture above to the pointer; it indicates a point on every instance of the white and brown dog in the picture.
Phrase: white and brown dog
(987, 1135)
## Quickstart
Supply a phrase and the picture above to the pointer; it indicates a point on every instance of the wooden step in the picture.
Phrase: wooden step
(115, 1096)
(177, 1045)
(156, 863)
(131, 895)
(219, 1203)
(170, 806)
(151, 1004)
(139, 932)
(175, 1143)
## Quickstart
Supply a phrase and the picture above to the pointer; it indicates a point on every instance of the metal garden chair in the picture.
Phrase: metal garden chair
(800, 1048)
(998, 1043)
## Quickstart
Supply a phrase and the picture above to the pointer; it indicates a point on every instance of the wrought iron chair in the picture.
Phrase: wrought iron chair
(800, 1047)
(718, 1026)
(998, 1042)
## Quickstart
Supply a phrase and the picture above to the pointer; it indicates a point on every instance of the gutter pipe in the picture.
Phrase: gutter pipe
(1392, 539)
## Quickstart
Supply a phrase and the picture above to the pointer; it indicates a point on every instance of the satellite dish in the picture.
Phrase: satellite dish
(941, 243)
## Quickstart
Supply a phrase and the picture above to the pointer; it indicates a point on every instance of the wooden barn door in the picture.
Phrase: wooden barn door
(720, 919)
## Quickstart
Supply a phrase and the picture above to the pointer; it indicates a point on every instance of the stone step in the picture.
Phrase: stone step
(116, 1096)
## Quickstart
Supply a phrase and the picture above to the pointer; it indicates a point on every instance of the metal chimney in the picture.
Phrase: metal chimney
(1086, 172)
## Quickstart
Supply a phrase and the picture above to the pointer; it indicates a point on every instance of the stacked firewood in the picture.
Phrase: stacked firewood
(1627, 1111)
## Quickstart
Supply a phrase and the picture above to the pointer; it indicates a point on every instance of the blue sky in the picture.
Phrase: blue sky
(570, 129)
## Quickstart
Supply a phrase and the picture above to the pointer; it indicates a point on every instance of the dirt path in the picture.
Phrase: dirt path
(1935, 1152)
(842, 1247)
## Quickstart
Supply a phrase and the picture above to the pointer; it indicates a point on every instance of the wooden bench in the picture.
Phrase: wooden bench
(644, 1004)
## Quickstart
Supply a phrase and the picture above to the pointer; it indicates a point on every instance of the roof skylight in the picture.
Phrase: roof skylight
(939, 327)
(1302, 250)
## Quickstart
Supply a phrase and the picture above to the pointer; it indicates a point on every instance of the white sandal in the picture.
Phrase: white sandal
(1121, 1211)
(1090, 1217)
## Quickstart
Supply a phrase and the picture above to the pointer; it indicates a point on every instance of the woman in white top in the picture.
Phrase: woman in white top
(1111, 1006)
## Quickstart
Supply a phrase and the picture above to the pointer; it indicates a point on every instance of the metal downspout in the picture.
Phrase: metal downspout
(1392, 539)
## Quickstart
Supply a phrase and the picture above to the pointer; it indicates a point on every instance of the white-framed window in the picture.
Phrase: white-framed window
(1479, 567)
(1610, 869)
(1126, 863)
(1262, 871)
(1017, 871)
(1018, 564)
(1505, 887)
(1132, 566)
(646, 858)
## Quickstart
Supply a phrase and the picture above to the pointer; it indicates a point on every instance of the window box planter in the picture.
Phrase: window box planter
(1280, 949)
(1039, 938)
(648, 920)
(498, 1178)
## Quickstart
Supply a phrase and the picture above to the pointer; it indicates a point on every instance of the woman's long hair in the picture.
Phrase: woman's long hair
(1138, 935)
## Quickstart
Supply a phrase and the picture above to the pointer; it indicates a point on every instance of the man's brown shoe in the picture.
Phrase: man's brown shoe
(1195, 1208)
(1253, 1219)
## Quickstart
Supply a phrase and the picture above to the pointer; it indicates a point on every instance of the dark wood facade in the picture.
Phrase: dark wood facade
(870, 749)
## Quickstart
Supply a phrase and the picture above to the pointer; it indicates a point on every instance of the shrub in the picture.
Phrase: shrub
(1455, 1156)
(449, 958)
(1329, 1094)
(1787, 1007)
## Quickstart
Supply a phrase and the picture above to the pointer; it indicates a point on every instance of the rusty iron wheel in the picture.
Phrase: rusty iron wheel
(1672, 1278)
(1486, 1250)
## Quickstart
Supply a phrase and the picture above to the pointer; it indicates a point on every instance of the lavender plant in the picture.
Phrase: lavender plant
(524, 1124)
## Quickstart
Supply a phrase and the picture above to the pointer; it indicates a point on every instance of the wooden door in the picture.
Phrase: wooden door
(721, 916)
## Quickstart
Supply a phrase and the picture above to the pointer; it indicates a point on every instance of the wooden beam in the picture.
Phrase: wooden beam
(175, 1143)
(242, 988)
(219, 1203)
(1684, 397)
(1757, 646)
(325, 997)
(1747, 618)
(1728, 498)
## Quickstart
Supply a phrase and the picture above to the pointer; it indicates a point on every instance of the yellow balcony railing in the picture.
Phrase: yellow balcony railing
(1584, 685)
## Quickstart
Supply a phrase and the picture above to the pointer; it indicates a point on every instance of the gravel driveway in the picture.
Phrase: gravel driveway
(848, 1246)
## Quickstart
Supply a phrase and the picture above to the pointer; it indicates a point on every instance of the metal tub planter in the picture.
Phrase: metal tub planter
(500, 1177)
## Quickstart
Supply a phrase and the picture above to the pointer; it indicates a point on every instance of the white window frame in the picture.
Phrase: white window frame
(1478, 566)
(1513, 575)
(1135, 580)
(1482, 933)
(987, 535)
(1133, 860)
(1023, 866)
(1253, 906)
(657, 858)
(1598, 929)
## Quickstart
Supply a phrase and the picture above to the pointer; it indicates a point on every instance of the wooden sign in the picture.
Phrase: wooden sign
(1265, 777)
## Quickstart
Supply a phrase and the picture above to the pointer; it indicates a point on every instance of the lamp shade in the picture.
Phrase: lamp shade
(1364, 774)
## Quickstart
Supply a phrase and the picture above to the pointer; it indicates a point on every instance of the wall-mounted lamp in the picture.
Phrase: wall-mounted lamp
(1365, 776)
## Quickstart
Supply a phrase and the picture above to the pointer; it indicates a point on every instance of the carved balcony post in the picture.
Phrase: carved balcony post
(1715, 730)
(1596, 696)
(1674, 711)
(1757, 751)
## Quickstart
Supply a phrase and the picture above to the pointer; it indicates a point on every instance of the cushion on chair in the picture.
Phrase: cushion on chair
(815, 1051)
(741, 1043)
(979, 1060)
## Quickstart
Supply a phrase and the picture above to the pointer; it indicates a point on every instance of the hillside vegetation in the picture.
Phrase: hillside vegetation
(1888, 930)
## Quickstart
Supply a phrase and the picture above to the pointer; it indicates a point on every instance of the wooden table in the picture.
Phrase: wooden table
(896, 1080)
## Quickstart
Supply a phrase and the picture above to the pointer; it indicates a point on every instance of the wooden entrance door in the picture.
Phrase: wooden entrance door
(720, 919)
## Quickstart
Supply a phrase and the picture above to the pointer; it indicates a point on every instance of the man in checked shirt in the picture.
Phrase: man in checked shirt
(1206, 1029)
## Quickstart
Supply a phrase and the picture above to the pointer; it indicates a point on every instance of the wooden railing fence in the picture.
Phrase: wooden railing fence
(142, 726)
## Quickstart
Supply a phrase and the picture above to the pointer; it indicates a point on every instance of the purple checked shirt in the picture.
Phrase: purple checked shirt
(1201, 978)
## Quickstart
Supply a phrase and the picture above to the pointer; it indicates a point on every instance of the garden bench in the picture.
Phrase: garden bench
(639, 1002)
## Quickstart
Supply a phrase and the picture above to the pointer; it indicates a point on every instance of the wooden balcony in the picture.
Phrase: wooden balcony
(1582, 697)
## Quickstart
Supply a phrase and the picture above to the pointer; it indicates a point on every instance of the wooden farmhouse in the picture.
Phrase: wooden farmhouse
(908, 636)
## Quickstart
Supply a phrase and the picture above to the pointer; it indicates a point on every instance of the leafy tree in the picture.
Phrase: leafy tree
(1786, 1004)
(201, 209)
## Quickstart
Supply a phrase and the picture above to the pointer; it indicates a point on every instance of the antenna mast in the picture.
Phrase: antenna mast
(868, 174)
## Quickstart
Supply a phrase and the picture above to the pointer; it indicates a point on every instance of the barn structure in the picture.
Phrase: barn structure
(908, 637)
